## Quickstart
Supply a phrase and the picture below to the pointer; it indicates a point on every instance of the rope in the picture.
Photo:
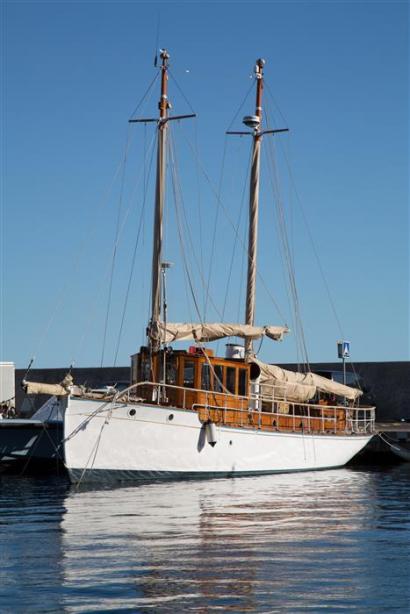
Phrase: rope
(115, 249)
(146, 94)
(391, 445)
(287, 252)
(236, 239)
(180, 91)
(241, 105)
(60, 300)
(240, 239)
(309, 232)
(43, 429)
(132, 264)
(214, 232)
(235, 245)
(199, 209)
(179, 226)
(92, 310)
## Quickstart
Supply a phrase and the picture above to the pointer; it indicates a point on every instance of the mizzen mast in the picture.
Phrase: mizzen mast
(254, 122)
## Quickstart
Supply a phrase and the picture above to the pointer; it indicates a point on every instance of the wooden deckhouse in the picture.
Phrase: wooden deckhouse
(224, 391)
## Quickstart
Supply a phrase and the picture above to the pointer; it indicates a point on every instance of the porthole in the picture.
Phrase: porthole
(132, 412)
(171, 417)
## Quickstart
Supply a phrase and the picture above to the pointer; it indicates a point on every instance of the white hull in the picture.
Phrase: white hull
(114, 445)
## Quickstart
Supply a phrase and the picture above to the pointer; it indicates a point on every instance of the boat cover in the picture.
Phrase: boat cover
(211, 332)
(57, 390)
(299, 387)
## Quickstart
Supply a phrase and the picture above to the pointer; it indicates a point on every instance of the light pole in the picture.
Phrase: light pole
(343, 352)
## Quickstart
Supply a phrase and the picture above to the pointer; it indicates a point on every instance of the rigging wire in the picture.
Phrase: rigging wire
(283, 236)
(140, 226)
(149, 88)
(286, 249)
(207, 294)
(92, 310)
(241, 106)
(92, 228)
(115, 249)
(184, 217)
(175, 186)
(240, 239)
(199, 209)
(242, 206)
(180, 90)
(235, 245)
(308, 229)
(310, 235)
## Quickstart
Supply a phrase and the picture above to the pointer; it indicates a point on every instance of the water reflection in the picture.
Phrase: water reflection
(336, 540)
(245, 544)
(31, 512)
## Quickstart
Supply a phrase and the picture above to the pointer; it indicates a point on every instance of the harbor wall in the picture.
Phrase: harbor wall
(385, 384)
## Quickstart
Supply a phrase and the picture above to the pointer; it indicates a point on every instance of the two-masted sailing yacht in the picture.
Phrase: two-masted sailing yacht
(189, 413)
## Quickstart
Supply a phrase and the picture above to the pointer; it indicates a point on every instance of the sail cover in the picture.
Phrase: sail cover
(211, 332)
(299, 387)
(57, 390)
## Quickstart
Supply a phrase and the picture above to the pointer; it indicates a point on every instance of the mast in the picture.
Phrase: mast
(254, 121)
(162, 123)
(159, 193)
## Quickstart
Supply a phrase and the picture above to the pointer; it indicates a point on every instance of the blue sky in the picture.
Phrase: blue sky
(72, 74)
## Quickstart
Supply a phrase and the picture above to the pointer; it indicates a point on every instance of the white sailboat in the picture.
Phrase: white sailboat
(189, 413)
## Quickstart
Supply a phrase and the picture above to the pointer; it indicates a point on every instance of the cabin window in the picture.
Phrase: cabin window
(242, 383)
(230, 379)
(218, 378)
(171, 370)
(189, 373)
(205, 377)
(144, 368)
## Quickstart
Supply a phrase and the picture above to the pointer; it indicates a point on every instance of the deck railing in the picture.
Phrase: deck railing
(254, 411)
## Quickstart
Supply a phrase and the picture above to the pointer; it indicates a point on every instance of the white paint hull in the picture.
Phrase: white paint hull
(114, 445)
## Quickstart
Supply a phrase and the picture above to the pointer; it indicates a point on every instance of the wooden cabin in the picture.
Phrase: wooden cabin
(193, 378)
(219, 389)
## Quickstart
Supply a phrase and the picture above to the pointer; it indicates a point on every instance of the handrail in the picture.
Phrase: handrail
(308, 413)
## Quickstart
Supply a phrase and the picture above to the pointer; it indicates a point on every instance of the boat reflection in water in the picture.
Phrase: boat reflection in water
(242, 544)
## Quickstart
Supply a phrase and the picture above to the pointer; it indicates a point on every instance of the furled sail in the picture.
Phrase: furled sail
(299, 387)
(211, 332)
(57, 390)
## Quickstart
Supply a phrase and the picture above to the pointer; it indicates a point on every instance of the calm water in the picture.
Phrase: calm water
(335, 540)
